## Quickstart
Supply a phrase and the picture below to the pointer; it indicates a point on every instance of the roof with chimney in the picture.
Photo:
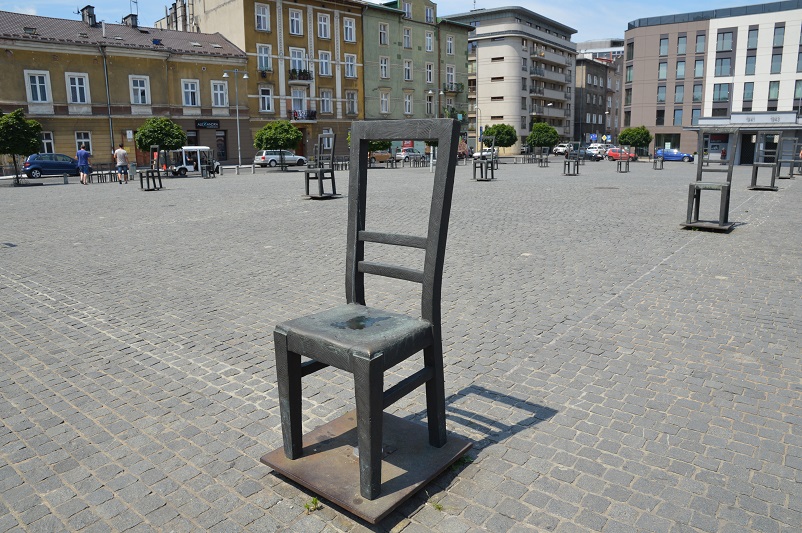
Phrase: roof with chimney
(87, 32)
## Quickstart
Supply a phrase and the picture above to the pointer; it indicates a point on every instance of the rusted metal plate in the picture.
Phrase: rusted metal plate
(329, 466)
(712, 226)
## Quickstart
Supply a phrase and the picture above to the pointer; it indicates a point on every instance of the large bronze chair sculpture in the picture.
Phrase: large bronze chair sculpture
(366, 341)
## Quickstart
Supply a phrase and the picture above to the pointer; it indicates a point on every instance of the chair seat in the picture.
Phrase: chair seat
(334, 336)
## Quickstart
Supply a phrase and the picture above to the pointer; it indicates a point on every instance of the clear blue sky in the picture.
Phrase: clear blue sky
(592, 20)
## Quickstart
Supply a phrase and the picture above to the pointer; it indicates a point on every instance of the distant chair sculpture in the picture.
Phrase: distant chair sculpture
(486, 165)
(366, 341)
(766, 157)
(321, 166)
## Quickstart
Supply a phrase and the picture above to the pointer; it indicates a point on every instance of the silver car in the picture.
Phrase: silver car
(271, 158)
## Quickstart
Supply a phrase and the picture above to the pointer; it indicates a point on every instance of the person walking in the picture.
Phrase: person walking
(83, 163)
(121, 157)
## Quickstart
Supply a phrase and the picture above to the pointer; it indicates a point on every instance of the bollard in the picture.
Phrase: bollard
(253, 168)
(66, 179)
(237, 170)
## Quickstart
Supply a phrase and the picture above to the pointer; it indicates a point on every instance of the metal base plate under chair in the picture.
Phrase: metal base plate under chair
(709, 226)
(329, 466)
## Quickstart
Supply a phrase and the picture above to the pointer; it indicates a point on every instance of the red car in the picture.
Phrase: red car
(614, 154)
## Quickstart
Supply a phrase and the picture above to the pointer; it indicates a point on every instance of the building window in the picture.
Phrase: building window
(262, 17)
(264, 61)
(324, 63)
(323, 26)
(327, 141)
(681, 43)
(298, 99)
(296, 22)
(408, 10)
(678, 117)
(429, 104)
(349, 30)
(664, 46)
(749, 66)
(751, 40)
(695, 114)
(630, 51)
(523, 84)
(774, 90)
(297, 59)
(723, 66)
(749, 89)
(189, 90)
(679, 94)
(451, 76)
(384, 63)
(429, 41)
(350, 66)
(265, 100)
(85, 138)
(680, 70)
(407, 104)
(350, 103)
(799, 62)
(219, 94)
(660, 117)
(407, 38)
(776, 63)
(779, 36)
(407, 70)
(629, 74)
(430, 15)
(697, 92)
(450, 45)
(429, 72)
(38, 86)
(383, 34)
(627, 118)
(628, 97)
(700, 43)
(325, 100)
(699, 68)
(797, 94)
(140, 90)
(721, 92)
(47, 141)
(662, 70)
(77, 88)
(661, 94)
(384, 103)
(724, 41)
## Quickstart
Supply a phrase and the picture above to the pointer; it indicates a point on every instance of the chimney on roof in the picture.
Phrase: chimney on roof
(131, 20)
(88, 16)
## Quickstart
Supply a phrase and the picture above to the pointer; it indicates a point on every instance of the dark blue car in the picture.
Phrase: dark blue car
(672, 154)
(38, 165)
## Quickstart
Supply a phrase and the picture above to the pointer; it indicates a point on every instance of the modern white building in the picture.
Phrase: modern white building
(520, 71)
(737, 68)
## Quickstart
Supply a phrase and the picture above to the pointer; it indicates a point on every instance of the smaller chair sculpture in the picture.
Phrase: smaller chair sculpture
(657, 163)
(486, 165)
(695, 188)
(766, 157)
(321, 167)
(622, 165)
(543, 156)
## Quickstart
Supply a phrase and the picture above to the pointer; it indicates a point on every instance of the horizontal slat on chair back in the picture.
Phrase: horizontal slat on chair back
(390, 271)
(393, 238)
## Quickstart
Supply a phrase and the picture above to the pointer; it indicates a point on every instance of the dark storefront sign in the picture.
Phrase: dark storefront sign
(207, 124)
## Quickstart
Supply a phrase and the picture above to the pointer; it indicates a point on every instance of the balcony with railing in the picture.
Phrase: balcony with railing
(301, 76)
(301, 114)
(453, 87)
(537, 71)
(536, 90)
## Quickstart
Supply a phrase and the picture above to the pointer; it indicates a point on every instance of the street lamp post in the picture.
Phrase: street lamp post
(236, 72)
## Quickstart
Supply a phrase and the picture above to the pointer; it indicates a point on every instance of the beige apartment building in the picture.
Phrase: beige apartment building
(521, 71)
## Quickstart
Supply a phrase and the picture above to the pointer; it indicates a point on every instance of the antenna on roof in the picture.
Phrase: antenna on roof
(131, 5)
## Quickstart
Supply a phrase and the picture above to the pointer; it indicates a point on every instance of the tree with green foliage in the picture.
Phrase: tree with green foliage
(504, 133)
(162, 132)
(278, 135)
(543, 134)
(19, 136)
(638, 136)
(373, 146)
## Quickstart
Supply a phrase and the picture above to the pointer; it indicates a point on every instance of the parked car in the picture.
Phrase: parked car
(405, 154)
(38, 165)
(599, 148)
(560, 149)
(614, 154)
(672, 154)
(379, 156)
(265, 158)
(485, 153)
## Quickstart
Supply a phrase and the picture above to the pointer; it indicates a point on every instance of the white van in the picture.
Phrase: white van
(599, 148)
(192, 159)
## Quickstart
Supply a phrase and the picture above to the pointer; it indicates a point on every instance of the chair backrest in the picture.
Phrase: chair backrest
(708, 165)
(325, 150)
(446, 133)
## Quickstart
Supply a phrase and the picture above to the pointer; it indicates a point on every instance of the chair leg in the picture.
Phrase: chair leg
(435, 395)
(306, 179)
(288, 373)
(369, 392)
(333, 185)
(320, 182)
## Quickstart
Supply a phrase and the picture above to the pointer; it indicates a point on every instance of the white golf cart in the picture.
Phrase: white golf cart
(194, 159)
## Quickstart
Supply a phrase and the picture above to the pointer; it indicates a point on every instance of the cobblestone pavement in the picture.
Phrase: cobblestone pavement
(616, 372)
